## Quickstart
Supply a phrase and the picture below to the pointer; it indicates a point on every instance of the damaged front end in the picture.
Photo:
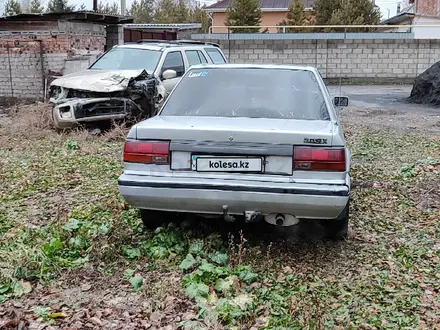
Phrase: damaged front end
(105, 96)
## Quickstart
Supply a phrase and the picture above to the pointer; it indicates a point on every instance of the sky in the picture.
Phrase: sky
(388, 8)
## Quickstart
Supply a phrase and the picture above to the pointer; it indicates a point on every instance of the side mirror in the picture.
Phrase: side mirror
(340, 101)
(169, 74)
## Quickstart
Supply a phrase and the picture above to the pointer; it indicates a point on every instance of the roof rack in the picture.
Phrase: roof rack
(196, 42)
(177, 42)
(152, 41)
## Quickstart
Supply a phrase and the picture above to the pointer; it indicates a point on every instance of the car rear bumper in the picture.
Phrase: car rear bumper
(312, 201)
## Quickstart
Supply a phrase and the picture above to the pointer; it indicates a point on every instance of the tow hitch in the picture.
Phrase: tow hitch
(249, 216)
(226, 216)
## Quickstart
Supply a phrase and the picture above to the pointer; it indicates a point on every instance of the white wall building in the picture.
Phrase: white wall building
(422, 24)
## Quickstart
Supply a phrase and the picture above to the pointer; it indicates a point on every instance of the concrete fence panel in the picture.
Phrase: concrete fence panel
(355, 60)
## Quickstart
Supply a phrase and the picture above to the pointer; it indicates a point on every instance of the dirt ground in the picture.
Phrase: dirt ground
(386, 276)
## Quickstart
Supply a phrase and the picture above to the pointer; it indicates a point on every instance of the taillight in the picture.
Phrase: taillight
(321, 159)
(146, 152)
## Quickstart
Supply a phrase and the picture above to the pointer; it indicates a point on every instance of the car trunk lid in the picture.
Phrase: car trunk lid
(237, 130)
(250, 146)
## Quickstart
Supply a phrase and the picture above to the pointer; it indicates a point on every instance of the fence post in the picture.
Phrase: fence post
(340, 65)
(229, 45)
(10, 69)
(43, 81)
(418, 57)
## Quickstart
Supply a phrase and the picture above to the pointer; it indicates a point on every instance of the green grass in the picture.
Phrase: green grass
(60, 211)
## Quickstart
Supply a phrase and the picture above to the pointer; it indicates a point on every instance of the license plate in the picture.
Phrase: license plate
(226, 164)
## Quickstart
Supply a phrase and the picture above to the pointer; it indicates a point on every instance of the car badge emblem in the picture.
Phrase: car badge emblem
(231, 138)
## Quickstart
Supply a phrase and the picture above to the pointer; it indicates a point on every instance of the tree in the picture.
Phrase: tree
(142, 11)
(110, 9)
(12, 7)
(35, 7)
(324, 10)
(25, 5)
(59, 6)
(356, 12)
(181, 13)
(244, 13)
(165, 12)
(310, 19)
(199, 15)
(295, 17)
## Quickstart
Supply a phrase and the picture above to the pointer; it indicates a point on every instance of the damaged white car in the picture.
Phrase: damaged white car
(101, 96)
(129, 81)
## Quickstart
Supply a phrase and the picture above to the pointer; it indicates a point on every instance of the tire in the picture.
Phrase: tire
(152, 219)
(337, 229)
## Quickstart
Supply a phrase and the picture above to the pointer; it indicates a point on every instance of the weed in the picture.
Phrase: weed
(37, 117)
(44, 313)
(237, 252)
(136, 282)
(118, 132)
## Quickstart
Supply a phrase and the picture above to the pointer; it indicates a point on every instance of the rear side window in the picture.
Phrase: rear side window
(195, 57)
(250, 93)
(174, 61)
(215, 55)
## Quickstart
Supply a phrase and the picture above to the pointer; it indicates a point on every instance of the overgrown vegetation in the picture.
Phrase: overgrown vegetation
(62, 221)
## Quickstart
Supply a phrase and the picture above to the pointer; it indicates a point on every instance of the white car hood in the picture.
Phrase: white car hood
(98, 80)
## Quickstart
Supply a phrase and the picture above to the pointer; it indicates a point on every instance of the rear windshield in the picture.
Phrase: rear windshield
(250, 93)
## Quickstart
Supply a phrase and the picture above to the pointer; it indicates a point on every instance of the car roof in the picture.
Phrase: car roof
(163, 44)
(254, 66)
(141, 46)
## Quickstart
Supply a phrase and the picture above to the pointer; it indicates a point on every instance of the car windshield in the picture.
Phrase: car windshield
(250, 92)
(128, 59)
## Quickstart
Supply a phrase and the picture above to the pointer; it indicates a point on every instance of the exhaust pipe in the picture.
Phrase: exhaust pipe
(279, 219)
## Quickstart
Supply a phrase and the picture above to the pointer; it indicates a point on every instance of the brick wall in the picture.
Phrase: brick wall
(115, 35)
(24, 65)
(354, 59)
(428, 7)
(20, 68)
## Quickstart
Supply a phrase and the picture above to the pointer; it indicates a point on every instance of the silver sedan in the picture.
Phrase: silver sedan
(258, 142)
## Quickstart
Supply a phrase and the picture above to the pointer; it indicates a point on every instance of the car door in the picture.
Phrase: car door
(173, 61)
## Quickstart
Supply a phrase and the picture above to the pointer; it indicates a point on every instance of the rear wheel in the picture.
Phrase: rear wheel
(152, 219)
(337, 229)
